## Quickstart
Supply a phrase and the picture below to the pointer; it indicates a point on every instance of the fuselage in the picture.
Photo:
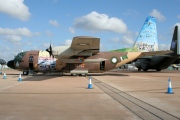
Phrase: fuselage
(41, 61)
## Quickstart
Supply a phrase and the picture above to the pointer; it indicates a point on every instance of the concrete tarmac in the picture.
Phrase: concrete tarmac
(59, 97)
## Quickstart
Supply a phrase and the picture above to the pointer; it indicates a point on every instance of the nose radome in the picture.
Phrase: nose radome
(11, 64)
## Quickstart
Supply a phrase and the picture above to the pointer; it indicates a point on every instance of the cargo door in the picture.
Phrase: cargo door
(102, 65)
(31, 60)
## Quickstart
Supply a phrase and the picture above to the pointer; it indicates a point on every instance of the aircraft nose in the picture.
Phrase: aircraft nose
(11, 64)
(4, 62)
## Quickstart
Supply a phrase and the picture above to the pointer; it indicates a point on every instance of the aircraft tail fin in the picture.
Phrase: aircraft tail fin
(175, 44)
(147, 38)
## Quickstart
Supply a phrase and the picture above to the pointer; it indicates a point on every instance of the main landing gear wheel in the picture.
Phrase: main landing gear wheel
(25, 72)
(79, 75)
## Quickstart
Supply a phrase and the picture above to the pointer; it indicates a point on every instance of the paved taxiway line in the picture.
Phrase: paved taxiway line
(152, 90)
(4, 88)
(142, 109)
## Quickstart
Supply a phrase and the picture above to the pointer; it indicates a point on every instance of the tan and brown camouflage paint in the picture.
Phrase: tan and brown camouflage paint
(92, 67)
(24, 65)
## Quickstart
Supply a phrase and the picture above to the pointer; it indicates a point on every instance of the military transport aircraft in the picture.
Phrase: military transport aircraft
(82, 57)
(176, 66)
(162, 61)
(2, 62)
(149, 33)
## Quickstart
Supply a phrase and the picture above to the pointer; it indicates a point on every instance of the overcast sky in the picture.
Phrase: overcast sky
(33, 24)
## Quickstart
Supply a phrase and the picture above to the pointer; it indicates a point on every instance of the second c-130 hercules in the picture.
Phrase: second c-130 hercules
(82, 57)
(149, 33)
(162, 61)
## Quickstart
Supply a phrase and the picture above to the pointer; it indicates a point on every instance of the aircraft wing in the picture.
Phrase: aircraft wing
(84, 43)
(149, 57)
(98, 60)
(157, 53)
(94, 60)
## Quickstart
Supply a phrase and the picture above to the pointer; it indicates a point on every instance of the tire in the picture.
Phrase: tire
(25, 72)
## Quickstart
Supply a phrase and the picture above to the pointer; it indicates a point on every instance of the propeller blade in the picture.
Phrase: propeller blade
(50, 50)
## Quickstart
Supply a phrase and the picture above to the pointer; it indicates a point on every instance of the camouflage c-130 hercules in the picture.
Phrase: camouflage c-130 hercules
(82, 57)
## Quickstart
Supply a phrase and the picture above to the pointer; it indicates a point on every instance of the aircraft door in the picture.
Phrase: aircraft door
(102, 65)
(31, 66)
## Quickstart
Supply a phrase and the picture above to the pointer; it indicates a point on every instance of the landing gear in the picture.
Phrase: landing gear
(139, 69)
(79, 75)
(25, 72)
(84, 75)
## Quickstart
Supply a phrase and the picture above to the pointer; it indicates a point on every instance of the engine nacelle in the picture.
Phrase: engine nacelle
(142, 64)
(138, 63)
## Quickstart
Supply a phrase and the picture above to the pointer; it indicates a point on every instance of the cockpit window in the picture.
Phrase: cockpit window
(20, 54)
(19, 57)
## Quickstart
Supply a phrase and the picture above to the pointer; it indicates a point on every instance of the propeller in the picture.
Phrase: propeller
(50, 54)
(50, 50)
